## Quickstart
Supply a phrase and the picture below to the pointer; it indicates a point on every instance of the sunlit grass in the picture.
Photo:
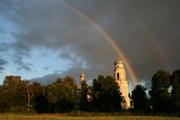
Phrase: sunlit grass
(60, 117)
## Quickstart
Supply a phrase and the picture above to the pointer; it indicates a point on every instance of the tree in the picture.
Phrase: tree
(106, 96)
(61, 94)
(39, 98)
(4, 104)
(140, 100)
(175, 92)
(37, 88)
(83, 96)
(13, 93)
(40, 104)
(52, 95)
(160, 97)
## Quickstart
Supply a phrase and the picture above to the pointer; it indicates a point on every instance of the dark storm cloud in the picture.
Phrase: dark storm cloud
(147, 32)
(57, 27)
(2, 63)
(18, 60)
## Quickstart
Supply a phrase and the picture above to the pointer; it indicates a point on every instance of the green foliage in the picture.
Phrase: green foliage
(39, 100)
(160, 98)
(105, 94)
(140, 100)
(83, 102)
(13, 94)
(61, 95)
(40, 104)
(37, 89)
(175, 92)
(18, 109)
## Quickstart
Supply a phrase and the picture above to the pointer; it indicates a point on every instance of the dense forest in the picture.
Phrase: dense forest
(64, 95)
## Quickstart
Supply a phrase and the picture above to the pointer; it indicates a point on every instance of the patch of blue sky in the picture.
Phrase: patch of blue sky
(45, 61)
(85, 65)
(7, 28)
(7, 25)
(9, 70)
(6, 37)
(42, 62)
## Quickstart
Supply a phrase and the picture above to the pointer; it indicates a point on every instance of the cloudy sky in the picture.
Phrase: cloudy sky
(44, 39)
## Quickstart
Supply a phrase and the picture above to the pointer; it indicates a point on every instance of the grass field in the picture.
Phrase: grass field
(60, 117)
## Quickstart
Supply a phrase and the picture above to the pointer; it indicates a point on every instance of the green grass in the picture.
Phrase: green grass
(60, 117)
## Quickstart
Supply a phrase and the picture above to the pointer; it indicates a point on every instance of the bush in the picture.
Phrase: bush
(19, 109)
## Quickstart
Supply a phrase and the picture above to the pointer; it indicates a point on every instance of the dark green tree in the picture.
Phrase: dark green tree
(4, 104)
(13, 93)
(40, 103)
(105, 93)
(83, 103)
(37, 88)
(140, 100)
(175, 92)
(160, 96)
(39, 99)
(61, 95)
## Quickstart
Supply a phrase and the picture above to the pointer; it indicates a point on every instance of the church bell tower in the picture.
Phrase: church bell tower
(120, 78)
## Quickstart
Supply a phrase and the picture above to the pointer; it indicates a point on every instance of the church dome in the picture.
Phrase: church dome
(118, 61)
(82, 74)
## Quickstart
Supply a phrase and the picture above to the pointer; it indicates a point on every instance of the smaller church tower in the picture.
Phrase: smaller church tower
(78, 90)
(120, 78)
(82, 77)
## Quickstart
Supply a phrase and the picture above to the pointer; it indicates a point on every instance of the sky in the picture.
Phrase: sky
(45, 39)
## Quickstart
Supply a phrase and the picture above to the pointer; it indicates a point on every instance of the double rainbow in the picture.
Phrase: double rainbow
(109, 39)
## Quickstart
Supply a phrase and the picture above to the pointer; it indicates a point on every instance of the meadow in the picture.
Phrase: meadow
(61, 117)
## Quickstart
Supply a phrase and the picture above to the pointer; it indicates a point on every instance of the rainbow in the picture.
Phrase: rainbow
(108, 39)
(153, 41)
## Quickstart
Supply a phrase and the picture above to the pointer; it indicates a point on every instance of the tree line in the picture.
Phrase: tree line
(64, 95)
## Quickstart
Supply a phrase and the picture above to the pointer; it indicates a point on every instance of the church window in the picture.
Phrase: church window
(117, 76)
